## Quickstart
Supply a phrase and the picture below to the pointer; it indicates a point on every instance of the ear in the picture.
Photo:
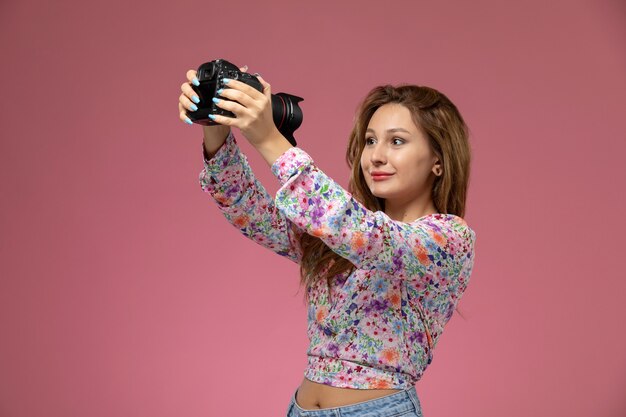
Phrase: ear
(437, 169)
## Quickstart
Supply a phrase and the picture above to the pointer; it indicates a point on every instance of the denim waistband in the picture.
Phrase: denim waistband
(388, 405)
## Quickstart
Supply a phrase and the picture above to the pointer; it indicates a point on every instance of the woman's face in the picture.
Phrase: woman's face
(394, 145)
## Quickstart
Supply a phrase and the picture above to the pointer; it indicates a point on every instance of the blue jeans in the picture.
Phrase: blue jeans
(402, 403)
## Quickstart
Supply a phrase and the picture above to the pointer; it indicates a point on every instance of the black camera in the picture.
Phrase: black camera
(285, 110)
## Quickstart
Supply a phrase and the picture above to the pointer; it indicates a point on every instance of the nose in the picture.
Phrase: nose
(378, 155)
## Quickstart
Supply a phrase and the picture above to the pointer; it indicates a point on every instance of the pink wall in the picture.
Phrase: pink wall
(123, 292)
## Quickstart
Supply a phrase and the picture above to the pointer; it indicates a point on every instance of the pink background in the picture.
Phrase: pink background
(123, 292)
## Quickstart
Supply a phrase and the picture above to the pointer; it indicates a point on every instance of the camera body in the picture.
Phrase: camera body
(286, 113)
(211, 77)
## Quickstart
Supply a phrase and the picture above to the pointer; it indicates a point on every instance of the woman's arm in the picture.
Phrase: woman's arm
(370, 240)
(433, 255)
(214, 138)
(245, 203)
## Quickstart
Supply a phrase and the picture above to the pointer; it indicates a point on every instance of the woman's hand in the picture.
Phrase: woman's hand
(214, 136)
(252, 108)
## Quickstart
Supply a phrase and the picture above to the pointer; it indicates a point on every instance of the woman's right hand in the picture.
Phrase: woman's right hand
(214, 135)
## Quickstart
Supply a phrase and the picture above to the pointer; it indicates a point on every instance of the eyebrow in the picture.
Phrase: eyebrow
(395, 129)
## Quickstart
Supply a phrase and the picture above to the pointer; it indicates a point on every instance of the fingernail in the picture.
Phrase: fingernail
(194, 107)
(195, 99)
(212, 117)
(226, 80)
(195, 81)
(245, 68)
(188, 120)
(216, 100)
(220, 91)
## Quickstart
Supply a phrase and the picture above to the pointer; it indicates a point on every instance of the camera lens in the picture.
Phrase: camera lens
(287, 114)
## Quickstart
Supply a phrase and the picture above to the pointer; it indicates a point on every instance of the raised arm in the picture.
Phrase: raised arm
(433, 255)
(370, 240)
(245, 203)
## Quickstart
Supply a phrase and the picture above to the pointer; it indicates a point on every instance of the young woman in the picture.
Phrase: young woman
(384, 264)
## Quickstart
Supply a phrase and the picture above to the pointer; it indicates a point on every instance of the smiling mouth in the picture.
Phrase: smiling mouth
(381, 177)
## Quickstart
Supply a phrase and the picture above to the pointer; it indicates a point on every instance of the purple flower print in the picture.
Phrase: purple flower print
(333, 348)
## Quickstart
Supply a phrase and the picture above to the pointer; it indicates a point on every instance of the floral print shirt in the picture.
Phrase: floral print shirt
(377, 327)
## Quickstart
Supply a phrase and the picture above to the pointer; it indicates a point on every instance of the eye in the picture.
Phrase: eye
(367, 141)
(400, 139)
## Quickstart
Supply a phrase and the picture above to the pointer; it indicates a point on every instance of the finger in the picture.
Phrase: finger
(267, 89)
(231, 106)
(244, 68)
(182, 114)
(191, 77)
(243, 87)
(190, 93)
(236, 95)
(186, 103)
(223, 120)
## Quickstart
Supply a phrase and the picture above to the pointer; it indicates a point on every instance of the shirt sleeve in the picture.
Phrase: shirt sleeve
(245, 203)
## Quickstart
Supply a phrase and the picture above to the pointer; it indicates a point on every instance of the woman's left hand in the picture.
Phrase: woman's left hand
(252, 108)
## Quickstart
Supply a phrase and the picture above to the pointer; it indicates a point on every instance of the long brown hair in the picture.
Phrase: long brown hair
(447, 133)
